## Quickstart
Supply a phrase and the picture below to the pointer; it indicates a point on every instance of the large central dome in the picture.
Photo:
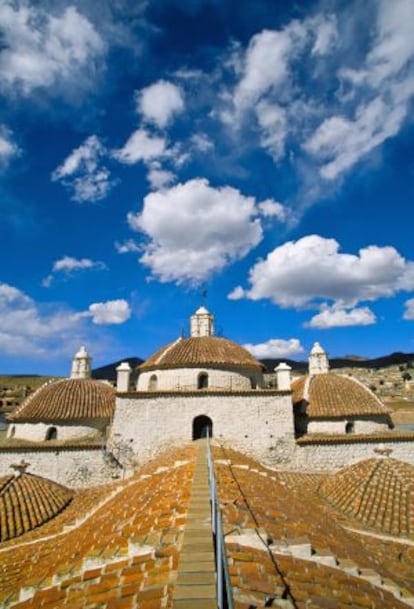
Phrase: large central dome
(200, 351)
(202, 361)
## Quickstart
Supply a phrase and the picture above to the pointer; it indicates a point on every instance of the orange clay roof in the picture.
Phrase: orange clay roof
(332, 395)
(200, 351)
(27, 501)
(67, 400)
(377, 492)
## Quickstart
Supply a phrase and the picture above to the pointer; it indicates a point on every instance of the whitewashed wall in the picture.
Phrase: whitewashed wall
(239, 379)
(73, 468)
(339, 426)
(255, 422)
(36, 432)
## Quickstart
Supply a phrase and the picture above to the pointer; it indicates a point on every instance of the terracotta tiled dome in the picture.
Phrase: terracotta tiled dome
(333, 395)
(200, 351)
(28, 501)
(377, 492)
(67, 400)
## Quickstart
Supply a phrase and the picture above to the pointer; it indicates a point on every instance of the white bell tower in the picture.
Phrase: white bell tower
(318, 360)
(202, 323)
(81, 365)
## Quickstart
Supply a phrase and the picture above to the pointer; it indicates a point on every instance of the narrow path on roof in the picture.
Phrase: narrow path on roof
(196, 580)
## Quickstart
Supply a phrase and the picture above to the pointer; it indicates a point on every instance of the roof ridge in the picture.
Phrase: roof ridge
(167, 350)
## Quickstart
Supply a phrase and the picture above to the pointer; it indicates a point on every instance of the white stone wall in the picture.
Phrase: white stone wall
(254, 423)
(339, 427)
(36, 432)
(328, 457)
(73, 468)
(239, 379)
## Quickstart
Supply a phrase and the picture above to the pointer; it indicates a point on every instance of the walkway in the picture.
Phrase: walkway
(196, 580)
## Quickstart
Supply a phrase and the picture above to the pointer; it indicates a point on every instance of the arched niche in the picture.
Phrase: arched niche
(202, 426)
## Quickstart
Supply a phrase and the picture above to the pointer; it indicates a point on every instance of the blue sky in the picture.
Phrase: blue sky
(154, 150)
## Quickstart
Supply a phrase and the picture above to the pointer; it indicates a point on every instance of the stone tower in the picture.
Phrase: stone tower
(81, 365)
(202, 323)
(318, 360)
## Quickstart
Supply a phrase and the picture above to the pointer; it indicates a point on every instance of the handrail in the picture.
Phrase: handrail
(224, 592)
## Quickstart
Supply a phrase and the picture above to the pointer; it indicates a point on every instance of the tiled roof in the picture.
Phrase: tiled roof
(200, 351)
(333, 395)
(67, 400)
(27, 502)
(377, 492)
(285, 542)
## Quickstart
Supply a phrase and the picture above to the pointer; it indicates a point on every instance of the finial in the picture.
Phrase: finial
(21, 467)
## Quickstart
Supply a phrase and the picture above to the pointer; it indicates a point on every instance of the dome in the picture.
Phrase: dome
(332, 396)
(28, 501)
(377, 492)
(67, 400)
(203, 351)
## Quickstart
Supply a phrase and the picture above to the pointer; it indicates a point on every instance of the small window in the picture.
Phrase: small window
(253, 383)
(153, 383)
(202, 382)
(51, 434)
(12, 431)
(350, 427)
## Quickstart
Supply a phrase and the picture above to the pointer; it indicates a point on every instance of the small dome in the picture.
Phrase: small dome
(70, 399)
(27, 502)
(377, 492)
(332, 395)
(201, 351)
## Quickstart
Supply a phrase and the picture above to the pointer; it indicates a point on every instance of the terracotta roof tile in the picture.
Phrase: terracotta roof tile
(200, 351)
(27, 502)
(65, 400)
(377, 492)
(332, 395)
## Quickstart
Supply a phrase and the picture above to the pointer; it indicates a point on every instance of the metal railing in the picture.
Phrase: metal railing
(224, 592)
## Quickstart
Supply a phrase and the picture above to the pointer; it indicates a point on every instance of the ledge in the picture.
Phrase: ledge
(354, 438)
(201, 393)
(16, 445)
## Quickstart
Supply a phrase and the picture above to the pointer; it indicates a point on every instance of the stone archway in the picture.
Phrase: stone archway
(202, 425)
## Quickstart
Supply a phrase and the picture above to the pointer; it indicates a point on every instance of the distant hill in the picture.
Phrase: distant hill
(394, 359)
(109, 372)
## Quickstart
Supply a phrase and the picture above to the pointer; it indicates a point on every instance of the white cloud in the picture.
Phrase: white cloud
(158, 177)
(160, 102)
(334, 317)
(107, 313)
(237, 293)
(202, 142)
(272, 120)
(340, 142)
(40, 49)
(141, 146)
(272, 209)
(266, 64)
(127, 247)
(27, 331)
(275, 347)
(299, 273)
(195, 230)
(8, 148)
(83, 171)
(326, 35)
(68, 265)
(409, 309)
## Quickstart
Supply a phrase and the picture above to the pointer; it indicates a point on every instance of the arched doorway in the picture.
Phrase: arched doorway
(202, 381)
(202, 426)
(51, 434)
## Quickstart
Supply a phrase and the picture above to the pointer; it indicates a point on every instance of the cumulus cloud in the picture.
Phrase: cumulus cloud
(272, 209)
(160, 103)
(159, 177)
(141, 146)
(8, 148)
(275, 347)
(68, 265)
(41, 49)
(84, 172)
(27, 330)
(127, 247)
(409, 309)
(111, 312)
(304, 272)
(195, 230)
(334, 317)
